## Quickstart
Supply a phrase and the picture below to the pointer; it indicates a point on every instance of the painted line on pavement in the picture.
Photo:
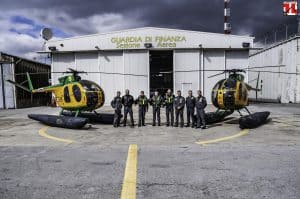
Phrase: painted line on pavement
(243, 132)
(43, 133)
(130, 176)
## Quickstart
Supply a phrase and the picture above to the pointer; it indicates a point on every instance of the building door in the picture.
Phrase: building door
(161, 71)
(185, 87)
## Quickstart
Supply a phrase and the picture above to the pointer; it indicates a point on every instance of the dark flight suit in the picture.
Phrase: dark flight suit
(179, 104)
(200, 106)
(156, 102)
(116, 103)
(190, 109)
(169, 103)
(127, 101)
(142, 101)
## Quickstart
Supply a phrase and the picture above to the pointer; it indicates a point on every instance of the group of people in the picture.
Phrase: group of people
(169, 101)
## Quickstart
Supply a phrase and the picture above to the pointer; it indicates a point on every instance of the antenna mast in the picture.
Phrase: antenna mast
(227, 25)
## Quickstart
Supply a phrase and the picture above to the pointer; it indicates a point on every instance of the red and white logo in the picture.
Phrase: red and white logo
(290, 8)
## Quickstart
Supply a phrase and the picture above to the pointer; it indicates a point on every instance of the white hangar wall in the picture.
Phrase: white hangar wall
(278, 87)
(120, 60)
(129, 69)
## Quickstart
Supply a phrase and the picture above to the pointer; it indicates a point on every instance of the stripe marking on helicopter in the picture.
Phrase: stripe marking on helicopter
(43, 133)
(243, 132)
(130, 176)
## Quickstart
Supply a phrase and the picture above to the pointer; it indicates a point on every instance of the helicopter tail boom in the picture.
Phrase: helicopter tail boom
(20, 85)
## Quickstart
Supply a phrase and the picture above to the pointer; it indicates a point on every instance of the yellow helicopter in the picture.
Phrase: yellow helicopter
(231, 93)
(74, 95)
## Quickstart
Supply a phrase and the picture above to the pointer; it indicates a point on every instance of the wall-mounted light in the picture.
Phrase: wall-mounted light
(97, 47)
(62, 45)
(200, 45)
(52, 48)
(148, 45)
(246, 44)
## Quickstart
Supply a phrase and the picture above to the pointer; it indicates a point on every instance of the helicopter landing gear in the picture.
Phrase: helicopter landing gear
(61, 112)
(77, 113)
(247, 110)
(240, 113)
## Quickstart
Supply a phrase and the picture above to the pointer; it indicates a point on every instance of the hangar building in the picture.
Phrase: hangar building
(14, 68)
(150, 59)
(280, 72)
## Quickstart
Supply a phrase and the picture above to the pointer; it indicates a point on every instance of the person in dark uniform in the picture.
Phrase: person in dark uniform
(156, 102)
(142, 101)
(116, 103)
(190, 102)
(179, 103)
(169, 103)
(200, 106)
(127, 101)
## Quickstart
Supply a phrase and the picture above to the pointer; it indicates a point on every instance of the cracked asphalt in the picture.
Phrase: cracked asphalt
(261, 164)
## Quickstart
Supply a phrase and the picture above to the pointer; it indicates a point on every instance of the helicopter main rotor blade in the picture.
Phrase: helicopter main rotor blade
(275, 72)
(269, 66)
(216, 74)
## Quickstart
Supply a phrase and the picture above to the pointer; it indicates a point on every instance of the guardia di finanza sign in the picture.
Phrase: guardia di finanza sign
(138, 41)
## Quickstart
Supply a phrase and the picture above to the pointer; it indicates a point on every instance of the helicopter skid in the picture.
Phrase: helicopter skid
(60, 121)
(99, 118)
(253, 120)
(215, 117)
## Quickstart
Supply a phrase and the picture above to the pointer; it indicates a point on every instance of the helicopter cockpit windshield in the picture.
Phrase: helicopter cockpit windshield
(230, 83)
(89, 86)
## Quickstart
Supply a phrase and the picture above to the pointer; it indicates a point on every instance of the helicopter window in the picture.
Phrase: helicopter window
(244, 92)
(218, 85)
(67, 94)
(76, 92)
(230, 83)
(241, 91)
(89, 86)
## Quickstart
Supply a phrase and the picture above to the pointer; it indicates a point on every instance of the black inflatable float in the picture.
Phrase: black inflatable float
(214, 117)
(101, 118)
(60, 121)
(254, 120)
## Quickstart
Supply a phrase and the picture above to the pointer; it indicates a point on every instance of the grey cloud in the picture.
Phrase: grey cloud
(255, 16)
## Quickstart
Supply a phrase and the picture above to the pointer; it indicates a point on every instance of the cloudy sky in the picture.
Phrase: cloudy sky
(22, 20)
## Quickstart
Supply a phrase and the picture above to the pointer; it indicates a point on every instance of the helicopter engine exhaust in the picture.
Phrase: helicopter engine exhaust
(254, 120)
(60, 121)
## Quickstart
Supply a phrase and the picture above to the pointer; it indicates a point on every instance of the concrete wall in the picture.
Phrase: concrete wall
(8, 88)
(281, 87)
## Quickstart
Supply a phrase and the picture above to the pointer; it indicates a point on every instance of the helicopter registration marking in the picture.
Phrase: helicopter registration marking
(243, 132)
(43, 133)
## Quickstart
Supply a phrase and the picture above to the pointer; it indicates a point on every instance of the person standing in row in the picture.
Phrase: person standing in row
(156, 102)
(169, 103)
(142, 101)
(127, 101)
(116, 104)
(179, 104)
(190, 108)
(200, 106)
